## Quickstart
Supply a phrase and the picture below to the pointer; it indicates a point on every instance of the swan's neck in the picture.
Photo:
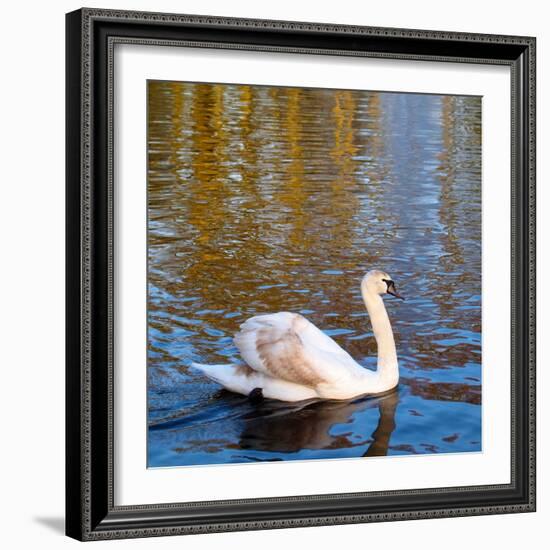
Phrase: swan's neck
(387, 356)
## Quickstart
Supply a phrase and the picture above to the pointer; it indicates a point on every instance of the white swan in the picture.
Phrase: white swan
(290, 359)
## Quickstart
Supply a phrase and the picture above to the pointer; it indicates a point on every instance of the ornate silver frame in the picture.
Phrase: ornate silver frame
(91, 37)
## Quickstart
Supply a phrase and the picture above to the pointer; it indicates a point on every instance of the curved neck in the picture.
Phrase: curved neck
(387, 355)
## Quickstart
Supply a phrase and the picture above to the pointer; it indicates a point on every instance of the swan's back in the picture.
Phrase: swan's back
(287, 346)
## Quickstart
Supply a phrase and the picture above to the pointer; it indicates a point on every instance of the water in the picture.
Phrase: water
(265, 199)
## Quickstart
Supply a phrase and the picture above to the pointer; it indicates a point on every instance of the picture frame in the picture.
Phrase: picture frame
(91, 512)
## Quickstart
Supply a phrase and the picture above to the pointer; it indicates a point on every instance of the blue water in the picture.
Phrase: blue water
(267, 199)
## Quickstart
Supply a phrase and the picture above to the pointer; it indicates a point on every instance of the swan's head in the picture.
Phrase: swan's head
(379, 282)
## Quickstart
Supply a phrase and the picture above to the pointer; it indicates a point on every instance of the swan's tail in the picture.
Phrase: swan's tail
(243, 379)
(237, 378)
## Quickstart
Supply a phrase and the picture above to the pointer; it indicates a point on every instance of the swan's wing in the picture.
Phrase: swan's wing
(289, 347)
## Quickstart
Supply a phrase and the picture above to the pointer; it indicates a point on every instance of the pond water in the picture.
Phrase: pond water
(266, 199)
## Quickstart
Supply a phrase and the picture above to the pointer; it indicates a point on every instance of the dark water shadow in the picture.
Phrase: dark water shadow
(285, 428)
(54, 523)
(386, 425)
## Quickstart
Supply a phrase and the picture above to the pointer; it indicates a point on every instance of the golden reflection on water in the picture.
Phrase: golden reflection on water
(263, 199)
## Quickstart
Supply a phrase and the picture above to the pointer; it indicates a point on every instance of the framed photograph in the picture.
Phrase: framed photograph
(300, 274)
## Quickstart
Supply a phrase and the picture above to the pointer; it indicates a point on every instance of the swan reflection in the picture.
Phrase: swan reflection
(285, 428)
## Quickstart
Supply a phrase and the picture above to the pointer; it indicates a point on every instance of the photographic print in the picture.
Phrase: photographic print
(314, 273)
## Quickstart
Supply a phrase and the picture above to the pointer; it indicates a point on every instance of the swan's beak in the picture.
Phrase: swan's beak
(391, 290)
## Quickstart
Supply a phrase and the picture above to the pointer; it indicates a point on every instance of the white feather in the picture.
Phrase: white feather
(231, 378)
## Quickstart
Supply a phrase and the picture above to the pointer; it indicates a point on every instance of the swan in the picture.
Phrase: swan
(289, 359)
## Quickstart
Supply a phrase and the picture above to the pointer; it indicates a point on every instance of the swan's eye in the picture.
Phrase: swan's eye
(389, 282)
